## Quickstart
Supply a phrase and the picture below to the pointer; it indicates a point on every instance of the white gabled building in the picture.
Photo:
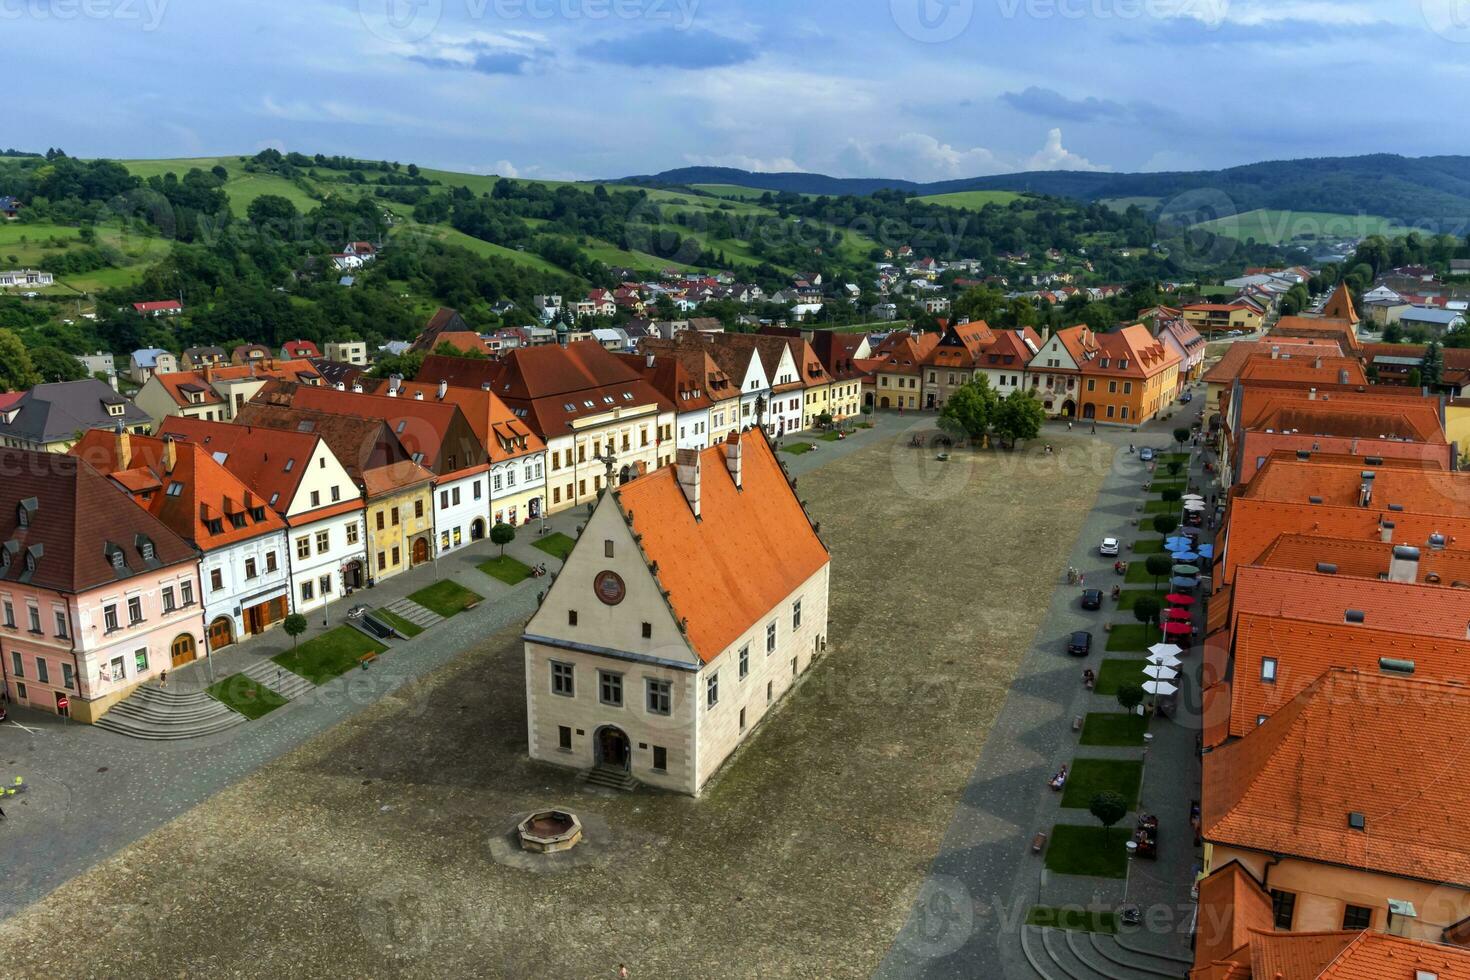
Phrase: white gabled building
(694, 599)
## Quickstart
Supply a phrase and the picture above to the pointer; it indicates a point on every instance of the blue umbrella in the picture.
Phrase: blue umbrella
(1206, 551)
(1175, 543)
(1185, 556)
(1184, 582)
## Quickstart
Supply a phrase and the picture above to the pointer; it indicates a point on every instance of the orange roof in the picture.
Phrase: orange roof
(1366, 955)
(1340, 306)
(1364, 559)
(1394, 490)
(1305, 650)
(1304, 370)
(179, 384)
(1343, 331)
(1228, 366)
(505, 436)
(1387, 748)
(704, 565)
(1379, 956)
(196, 491)
(268, 461)
(1132, 352)
(1377, 453)
(1231, 904)
(462, 340)
(961, 345)
(903, 353)
(1081, 344)
(367, 449)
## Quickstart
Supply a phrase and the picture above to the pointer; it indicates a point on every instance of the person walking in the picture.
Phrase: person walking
(163, 679)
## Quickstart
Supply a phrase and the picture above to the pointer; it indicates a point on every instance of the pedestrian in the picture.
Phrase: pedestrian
(1094, 428)
(622, 972)
(1069, 425)
(163, 678)
(1082, 579)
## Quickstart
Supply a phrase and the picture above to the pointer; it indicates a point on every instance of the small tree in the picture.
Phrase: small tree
(1174, 467)
(1018, 416)
(1172, 495)
(1130, 696)
(1181, 435)
(502, 534)
(1108, 807)
(1158, 566)
(1165, 523)
(824, 420)
(294, 625)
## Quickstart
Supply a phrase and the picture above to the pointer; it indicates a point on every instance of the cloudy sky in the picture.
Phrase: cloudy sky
(923, 89)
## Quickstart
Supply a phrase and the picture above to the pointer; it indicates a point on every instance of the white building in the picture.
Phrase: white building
(694, 600)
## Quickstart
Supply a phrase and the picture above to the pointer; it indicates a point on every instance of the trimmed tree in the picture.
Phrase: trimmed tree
(1158, 566)
(1146, 610)
(1130, 696)
(294, 625)
(1172, 495)
(502, 534)
(1174, 467)
(1108, 807)
(1165, 524)
(1181, 435)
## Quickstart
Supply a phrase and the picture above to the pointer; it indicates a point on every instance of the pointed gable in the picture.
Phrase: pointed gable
(1340, 306)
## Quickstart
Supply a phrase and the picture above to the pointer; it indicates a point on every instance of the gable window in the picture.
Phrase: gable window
(610, 689)
(607, 548)
(563, 679)
(571, 617)
(648, 631)
(660, 697)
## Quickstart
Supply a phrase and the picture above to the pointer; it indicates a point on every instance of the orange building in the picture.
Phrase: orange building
(1132, 377)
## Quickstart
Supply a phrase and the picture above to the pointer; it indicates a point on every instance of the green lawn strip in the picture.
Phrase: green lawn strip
(1159, 486)
(330, 655)
(1073, 918)
(1117, 671)
(556, 545)
(1154, 546)
(399, 623)
(506, 569)
(245, 696)
(1113, 728)
(1096, 851)
(446, 597)
(1131, 596)
(797, 448)
(1138, 573)
(1168, 458)
(1089, 777)
(1163, 507)
(1131, 638)
(830, 436)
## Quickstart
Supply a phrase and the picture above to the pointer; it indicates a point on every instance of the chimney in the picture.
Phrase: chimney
(170, 454)
(687, 462)
(1275, 353)
(650, 360)
(418, 396)
(124, 448)
(1317, 364)
(112, 379)
(1385, 532)
(443, 389)
(340, 386)
(209, 372)
(1311, 394)
(357, 387)
(1404, 567)
(734, 455)
(394, 381)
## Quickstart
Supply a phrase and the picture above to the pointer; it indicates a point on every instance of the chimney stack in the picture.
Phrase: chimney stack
(650, 360)
(1275, 353)
(687, 462)
(1404, 567)
(734, 456)
(124, 448)
(112, 379)
(418, 396)
(1385, 532)
(340, 386)
(357, 387)
(394, 381)
(1317, 364)
(1311, 394)
(170, 454)
(443, 389)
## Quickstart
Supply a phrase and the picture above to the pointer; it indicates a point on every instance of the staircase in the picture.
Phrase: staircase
(609, 778)
(414, 613)
(1060, 954)
(159, 715)
(288, 684)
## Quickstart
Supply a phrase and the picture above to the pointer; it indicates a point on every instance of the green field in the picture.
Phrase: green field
(972, 200)
(1272, 227)
(731, 190)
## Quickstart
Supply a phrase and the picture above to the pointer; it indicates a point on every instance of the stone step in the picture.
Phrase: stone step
(610, 779)
(287, 683)
(1137, 962)
(414, 613)
(157, 714)
(123, 725)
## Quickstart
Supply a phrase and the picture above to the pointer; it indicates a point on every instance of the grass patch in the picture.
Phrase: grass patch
(1090, 777)
(330, 655)
(1073, 918)
(402, 625)
(1114, 672)
(506, 569)
(1151, 547)
(1130, 597)
(1163, 507)
(556, 545)
(830, 436)
(245, 696)
(1159, 486)
(1167, 458)
(1131, 638)
(797, 448)
(446, 597)
(1095, 851)
(1113, 728)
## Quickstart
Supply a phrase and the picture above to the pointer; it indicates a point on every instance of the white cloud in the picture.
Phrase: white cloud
(919, 156)
(760, 165)
(1256, 13)
(1054, 156)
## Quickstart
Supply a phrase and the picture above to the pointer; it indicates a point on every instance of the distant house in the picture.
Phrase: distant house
(17, 278)
(249, 353)
(9, 208)
(1460, 267)
(1436, 321)
(294, 349)
(198, 358)
(348, 352)
(163, 307)
(395, 348)
(50, 417)
(341, 261)
(150, 361)
(365, 251)
(101, 362)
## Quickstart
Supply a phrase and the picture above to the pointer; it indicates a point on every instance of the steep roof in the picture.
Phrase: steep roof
(367, 449)
(1011, 348)
(1132, 352)
(961, 345)
(187, 497)
(704, 565)
(180, 384)
(56, 411)
(505, 436)
(1081, 343)
(1304, 370)
(75, 519)
(268, 461)
(1379, 956)
(1363, 559)
(1229, 365)
(1361, 449)
(1231, 904)
(1281, 789)
(1342, 331)
(1392, 489)
(903, 353)
(1340, 306)
(838, 351)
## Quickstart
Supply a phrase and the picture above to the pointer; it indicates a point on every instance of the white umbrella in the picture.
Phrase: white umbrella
(1159, 672)
(1171, 662)
(1165, 650)
(1195, 505)
(1160, 687)
(1192, 496)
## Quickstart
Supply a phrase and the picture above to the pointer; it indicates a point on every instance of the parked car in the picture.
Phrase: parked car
(1079, 644)
(1108, 548)
(1146, 454)
(1187, 397)
(1092, 599)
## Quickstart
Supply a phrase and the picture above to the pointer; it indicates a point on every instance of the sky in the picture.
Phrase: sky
(582, 89)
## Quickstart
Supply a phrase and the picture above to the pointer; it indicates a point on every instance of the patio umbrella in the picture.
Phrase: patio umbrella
(1164, 650)
(1181, 615)
(1184, 554)
(1178, 541)
(1179, 599)
(1158, 672)
(1160, 687)
(1206, 551)
(1173, 662)
(1195, 505)
(1190, 570)
(1184, 582)
(1175, 629)
(1191, 496)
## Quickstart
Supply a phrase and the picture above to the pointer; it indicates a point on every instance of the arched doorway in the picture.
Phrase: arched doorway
(477, 529)
(624, 475)
(183, 650)
(420, 550)
(1069, 409)
(883, 402)
(221, 633)
(1089, 411)
(612, 748)
(352, 575)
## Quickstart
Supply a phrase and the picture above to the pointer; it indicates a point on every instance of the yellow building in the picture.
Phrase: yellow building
(1210, 318)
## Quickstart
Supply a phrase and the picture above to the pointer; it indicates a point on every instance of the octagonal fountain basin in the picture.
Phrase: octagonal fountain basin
(550, 831)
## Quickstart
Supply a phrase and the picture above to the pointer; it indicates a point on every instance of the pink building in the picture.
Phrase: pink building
(96, 595)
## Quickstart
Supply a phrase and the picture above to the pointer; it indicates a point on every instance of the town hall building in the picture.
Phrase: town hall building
(695, 597)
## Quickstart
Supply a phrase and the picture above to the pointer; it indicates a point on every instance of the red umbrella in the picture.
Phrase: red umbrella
(1182, 615)
(1179, 599)
(1176, 629)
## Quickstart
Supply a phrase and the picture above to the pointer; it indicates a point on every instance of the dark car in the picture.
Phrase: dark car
(1079, 644)
(1187, 397)
(1092, 599)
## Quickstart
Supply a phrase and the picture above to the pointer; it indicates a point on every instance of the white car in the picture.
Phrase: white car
(1108, 548)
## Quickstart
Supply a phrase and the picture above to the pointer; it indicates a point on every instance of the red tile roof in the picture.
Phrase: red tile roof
(1282, 789)
(1340, 305)
(903, 353)
(1393, 490)
(961, 345)
(268, 461)
(1231, 904)
(1135, 347)
(180, 383)
(1281, 445)
(505, 436)
(367, 449)
(1228, 366)
(1304, 370)
(705, 565)
(1364, 559)
(1342, 331)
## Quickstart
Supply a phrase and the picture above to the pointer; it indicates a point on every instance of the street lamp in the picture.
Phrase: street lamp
(1127, 912)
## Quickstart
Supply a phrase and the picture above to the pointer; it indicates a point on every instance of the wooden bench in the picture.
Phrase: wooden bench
(1077, 724)
(1038, 842)
(366, 659)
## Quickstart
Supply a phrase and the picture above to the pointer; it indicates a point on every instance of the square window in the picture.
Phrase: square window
(323, 541)
(660, 697)
(563, 679)
(1357, 917)
(660, 759)
(140, 661)
(308, 591)
(712, 690)
(610, 689)
(564, 738)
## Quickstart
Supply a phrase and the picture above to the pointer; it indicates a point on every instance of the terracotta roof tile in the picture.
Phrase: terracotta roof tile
(367, 449)
(1340, 305)
(268, 461)
(1228, 366)
(1378, 956)
(505, 436)
(1231, 904)
(1393, 490)
(1304, 370)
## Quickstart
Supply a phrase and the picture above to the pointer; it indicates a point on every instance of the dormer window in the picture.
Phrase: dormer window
(115, 410)
(118, 562)
(146, 550)
(22, 516)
